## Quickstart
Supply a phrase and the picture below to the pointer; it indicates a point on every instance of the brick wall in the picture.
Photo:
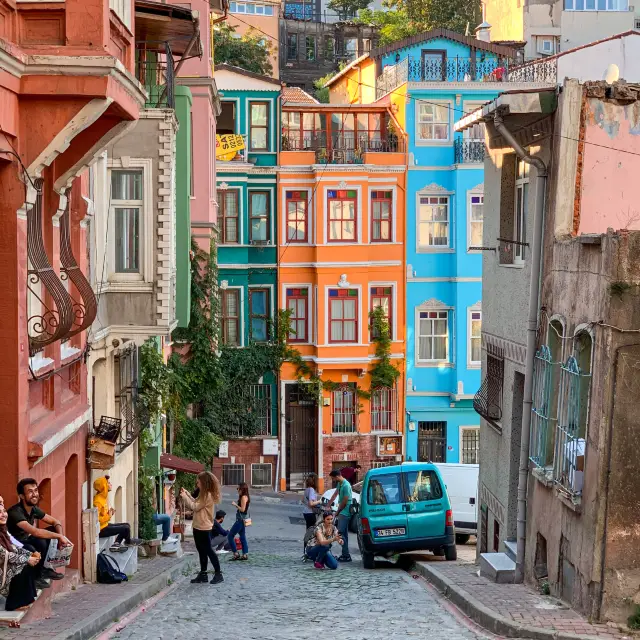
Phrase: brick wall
(246, 452)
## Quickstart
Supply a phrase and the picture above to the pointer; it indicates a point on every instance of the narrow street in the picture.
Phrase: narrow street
(275, 596)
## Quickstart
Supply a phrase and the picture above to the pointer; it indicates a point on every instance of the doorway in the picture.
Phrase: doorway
(301, 415)
(434, 65)
(432, 441)
(72, 506)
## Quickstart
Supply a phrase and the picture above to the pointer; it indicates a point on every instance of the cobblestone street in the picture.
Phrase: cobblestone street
(275, 596)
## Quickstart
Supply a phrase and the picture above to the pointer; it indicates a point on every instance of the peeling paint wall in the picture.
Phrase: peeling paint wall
(505, 18)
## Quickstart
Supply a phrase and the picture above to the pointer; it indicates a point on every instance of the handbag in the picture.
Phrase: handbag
(247, 522)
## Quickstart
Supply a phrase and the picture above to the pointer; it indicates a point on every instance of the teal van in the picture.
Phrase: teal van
(405, 508)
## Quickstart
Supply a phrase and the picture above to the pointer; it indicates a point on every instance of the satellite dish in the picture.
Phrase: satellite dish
(612, 74)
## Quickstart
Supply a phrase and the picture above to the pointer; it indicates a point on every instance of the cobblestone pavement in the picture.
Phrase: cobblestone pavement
(275, 596)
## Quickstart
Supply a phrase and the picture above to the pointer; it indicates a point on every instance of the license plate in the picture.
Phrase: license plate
(384, 533)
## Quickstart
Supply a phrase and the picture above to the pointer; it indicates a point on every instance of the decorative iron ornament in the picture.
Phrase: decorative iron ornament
(542, 409)
(468, 151)
(84, 313)
(50, 323)
(488, 401)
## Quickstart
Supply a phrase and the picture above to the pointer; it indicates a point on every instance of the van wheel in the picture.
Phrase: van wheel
(450, 552)
(368, 560)
(462, 538)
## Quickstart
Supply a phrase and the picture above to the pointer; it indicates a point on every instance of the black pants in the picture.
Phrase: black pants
(205, 550)
(121, 530)
(41, 545)
(22, 590)
(310, 519)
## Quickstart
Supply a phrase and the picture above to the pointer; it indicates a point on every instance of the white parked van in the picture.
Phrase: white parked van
(462, 486)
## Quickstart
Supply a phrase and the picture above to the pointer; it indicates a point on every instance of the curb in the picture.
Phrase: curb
(96, 623)
(485, 617)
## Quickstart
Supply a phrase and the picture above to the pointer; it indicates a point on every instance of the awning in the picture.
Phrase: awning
(168, 461)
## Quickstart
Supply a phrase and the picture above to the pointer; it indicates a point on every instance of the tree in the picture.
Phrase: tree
(393, 25)
(322, 92)
(249, 52)
(347, 8)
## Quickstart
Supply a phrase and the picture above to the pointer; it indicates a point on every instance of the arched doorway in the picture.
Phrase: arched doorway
(117, 505)
(72, 508)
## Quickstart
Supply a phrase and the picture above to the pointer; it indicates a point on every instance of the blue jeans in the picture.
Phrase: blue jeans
(322, 554)
(165, 521)
(239, 529)
(343, 529)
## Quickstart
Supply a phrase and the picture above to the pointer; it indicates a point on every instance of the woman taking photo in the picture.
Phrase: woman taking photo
(240, 525)
(203, 507)
(319, 547)
(310, 501)
(17, 581)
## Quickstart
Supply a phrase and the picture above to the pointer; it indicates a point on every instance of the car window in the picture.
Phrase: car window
(384, 489)
(423, 485)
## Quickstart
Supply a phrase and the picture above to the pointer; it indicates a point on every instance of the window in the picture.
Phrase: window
(423, 486)
(433, 222)
(343, 315)
(433, 336)
(546, 45)
(341, 217)
(384, 409)
(433, 122)
(488, 400)
(259, 216)
(228, 212)
(126, 203)
(261, 396)
(251, 8)
(231, 317)
(381, 216)
(470, 445)
(475, 338)
(350, 48)
(261, 474)
(385, 489)
(476, 215)
(259, 314)
(259, 126)
(596, 5)
(310, 43)
(297, 223)
(381, 297)
(292, 46)
(520, 214)
(232, 474)
(329, 47)
(344, 409)
(298, 305)
(122, 9)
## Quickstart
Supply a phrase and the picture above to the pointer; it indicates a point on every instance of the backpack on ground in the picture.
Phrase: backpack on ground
(109, 571)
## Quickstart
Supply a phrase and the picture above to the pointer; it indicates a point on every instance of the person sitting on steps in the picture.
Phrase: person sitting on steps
(122, 530)
(22, 524)
(218, 534)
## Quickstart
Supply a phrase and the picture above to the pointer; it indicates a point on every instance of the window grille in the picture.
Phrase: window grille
(261, 475)
(344, 409)
(384, 409)
(376, 464)
(470, 453)
(488, 400)
(261, 393)
(432, 441)
(232, 474)
(542, 383)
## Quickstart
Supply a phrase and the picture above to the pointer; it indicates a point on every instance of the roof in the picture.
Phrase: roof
(168, 461)
(248, 74)
(350, 66)
(297, 95)
(449, 35)
(158, 23)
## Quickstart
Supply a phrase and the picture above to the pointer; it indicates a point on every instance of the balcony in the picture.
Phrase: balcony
(468, 151)
(477, 69)
(155, 71)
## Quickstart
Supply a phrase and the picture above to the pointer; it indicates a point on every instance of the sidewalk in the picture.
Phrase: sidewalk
(81, 614)
(511, 610)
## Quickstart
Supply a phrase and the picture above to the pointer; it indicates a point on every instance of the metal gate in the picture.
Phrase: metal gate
(432, 441)
(302, 420)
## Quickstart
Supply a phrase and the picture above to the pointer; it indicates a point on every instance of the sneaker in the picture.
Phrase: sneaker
(51, 574)
(217, 578)
(222, 551)
(201, 578)
(344, 559)
(118, 547)
(318, 565)
(41, 584)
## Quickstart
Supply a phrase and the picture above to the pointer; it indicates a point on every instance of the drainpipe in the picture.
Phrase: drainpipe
(532, 333)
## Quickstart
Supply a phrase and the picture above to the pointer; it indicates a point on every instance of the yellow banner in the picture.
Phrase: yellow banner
(227, 146)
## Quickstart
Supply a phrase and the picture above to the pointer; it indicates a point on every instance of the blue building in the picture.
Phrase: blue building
(441, 75)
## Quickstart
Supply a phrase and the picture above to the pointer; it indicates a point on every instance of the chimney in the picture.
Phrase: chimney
(483, 32)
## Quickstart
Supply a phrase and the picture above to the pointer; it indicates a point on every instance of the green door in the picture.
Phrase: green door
(426, 504)
(385, 508)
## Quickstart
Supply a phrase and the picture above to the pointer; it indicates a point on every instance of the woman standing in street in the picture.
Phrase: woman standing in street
(202, 507)
(240, 525)
(310, 501)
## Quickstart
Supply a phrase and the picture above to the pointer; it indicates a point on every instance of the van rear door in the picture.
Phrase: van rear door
(461, 482)
(384, 508)
(426, 504)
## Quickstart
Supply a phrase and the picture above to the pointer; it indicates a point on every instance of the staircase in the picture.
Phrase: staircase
(500, 567)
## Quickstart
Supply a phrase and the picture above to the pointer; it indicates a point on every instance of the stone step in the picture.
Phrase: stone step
(497, 567)
(127, 560)
(511, 549)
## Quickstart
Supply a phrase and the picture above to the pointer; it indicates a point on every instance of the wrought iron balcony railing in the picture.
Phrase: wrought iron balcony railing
(155, 71)
(488, 401)
(468, 151)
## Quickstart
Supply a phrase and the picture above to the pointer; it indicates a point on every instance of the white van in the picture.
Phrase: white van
(462, 486)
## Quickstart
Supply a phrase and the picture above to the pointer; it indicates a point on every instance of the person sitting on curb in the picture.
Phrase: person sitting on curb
(218, 534)
(319, 547)
(17, 569)
(122, 530)
(22, 524)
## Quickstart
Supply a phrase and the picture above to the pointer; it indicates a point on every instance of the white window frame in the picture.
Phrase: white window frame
(311, 299)
(325, 214)
(471, 133)
(569, 5)
(473, 193)
(146, 232)
(429, 141)
(394, 212)
(393, 321)
(122, 8)
(520, 215)
(473, 364)
(462, 430)
(261, 464)
(429, 248)
(241, 323)
(310, 215)
(338, 345)
(429, 307)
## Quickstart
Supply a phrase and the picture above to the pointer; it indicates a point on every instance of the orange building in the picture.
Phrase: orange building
(341, 236)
